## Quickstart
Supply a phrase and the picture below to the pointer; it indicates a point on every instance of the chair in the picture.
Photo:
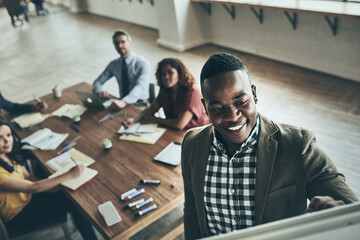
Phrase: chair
(151, 92)
(27, 233)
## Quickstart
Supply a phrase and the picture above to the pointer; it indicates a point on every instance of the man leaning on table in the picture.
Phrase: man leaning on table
(131, 71)
(243, 169)
(12, 107)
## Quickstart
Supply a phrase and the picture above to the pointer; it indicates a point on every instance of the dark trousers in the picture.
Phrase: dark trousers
(43, 208)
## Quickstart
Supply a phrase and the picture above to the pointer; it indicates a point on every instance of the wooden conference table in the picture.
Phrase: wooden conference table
(119, 169)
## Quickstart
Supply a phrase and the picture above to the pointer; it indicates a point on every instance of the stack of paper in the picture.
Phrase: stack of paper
(63, 163)
(69, 110)
(30, 119)
(44, 139)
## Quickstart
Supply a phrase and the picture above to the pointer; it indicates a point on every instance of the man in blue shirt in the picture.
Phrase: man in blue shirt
(130, 70)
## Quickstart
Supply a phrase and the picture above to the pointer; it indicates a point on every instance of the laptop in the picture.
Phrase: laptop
(91, 100)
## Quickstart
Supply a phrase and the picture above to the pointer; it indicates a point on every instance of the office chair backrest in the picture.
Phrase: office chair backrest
(3, 233)
(151, 92)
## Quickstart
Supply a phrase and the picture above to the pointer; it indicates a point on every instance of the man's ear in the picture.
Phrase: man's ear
(203, 102)
(253, 90)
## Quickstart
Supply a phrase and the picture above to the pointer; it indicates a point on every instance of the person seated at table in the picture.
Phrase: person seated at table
(24, 200)
(16, 8)
(179, 96)
(131, 71)
(12, 107)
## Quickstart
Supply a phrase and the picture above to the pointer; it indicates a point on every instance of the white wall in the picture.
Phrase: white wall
(310, 45)
(183, 25)
(143, 14)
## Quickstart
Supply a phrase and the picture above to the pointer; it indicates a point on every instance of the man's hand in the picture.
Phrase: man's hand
(104, 94)
(318, 203)
(128, 122)
(40, 106)
(117, 104)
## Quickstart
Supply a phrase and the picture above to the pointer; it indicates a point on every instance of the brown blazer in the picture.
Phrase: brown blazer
(290, 169)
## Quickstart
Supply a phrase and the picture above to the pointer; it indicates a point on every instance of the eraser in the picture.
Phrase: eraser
(109, 213)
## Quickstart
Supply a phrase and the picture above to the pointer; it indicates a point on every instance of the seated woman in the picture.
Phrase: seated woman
(23, 200)
(179, 96)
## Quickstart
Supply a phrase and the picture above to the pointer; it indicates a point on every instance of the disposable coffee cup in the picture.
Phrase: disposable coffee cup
(57, 92)
(107, 144)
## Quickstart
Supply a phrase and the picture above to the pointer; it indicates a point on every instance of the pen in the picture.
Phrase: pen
(37, 98)
(72, 141)
(125, 115)
(155, 182)
(146, 210)
(115, 115)
(67, 148)
(108, 116)
(130, 205)
(144, 203)
(124, 195)
(73, 161)
(134, 194)
(74, 128)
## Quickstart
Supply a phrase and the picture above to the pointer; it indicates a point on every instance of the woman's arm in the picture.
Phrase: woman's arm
(28, 186)
(178, 123)
(154, 107)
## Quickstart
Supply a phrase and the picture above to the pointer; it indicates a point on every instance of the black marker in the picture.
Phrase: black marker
(74, 128)
(155, 182)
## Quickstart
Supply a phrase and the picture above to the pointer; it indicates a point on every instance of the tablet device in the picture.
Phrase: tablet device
(91, 100)
(171, 154)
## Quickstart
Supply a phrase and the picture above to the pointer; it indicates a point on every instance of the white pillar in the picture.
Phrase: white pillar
(180, 26)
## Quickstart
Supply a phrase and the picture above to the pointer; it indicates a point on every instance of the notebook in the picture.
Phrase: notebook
(75, 183)
(30, 119)
(171, 154)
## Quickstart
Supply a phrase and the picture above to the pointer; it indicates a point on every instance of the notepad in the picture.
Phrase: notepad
(30, 119)
(44, 139)
(171, 154)
(69, 110)
(64, 160)
(75, 183)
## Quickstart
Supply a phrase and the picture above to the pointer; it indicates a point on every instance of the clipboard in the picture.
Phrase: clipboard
(171, 154)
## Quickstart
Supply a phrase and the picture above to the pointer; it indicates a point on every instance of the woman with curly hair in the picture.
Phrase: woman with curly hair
(27, 202)
(179, 96)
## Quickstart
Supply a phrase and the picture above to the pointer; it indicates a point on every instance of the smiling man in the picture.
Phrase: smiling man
(131, 71)
(243, 169)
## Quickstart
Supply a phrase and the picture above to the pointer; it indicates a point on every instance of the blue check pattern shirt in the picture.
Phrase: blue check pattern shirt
(229, 191)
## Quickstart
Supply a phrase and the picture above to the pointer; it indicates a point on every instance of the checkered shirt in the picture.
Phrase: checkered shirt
(229, 191)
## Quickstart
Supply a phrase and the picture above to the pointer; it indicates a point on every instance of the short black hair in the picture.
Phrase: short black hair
(121, 32)
(220, 63)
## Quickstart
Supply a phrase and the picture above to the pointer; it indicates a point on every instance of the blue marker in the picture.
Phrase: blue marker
(134, 190)
(134, 194)
(142, 212)
(144, 203)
